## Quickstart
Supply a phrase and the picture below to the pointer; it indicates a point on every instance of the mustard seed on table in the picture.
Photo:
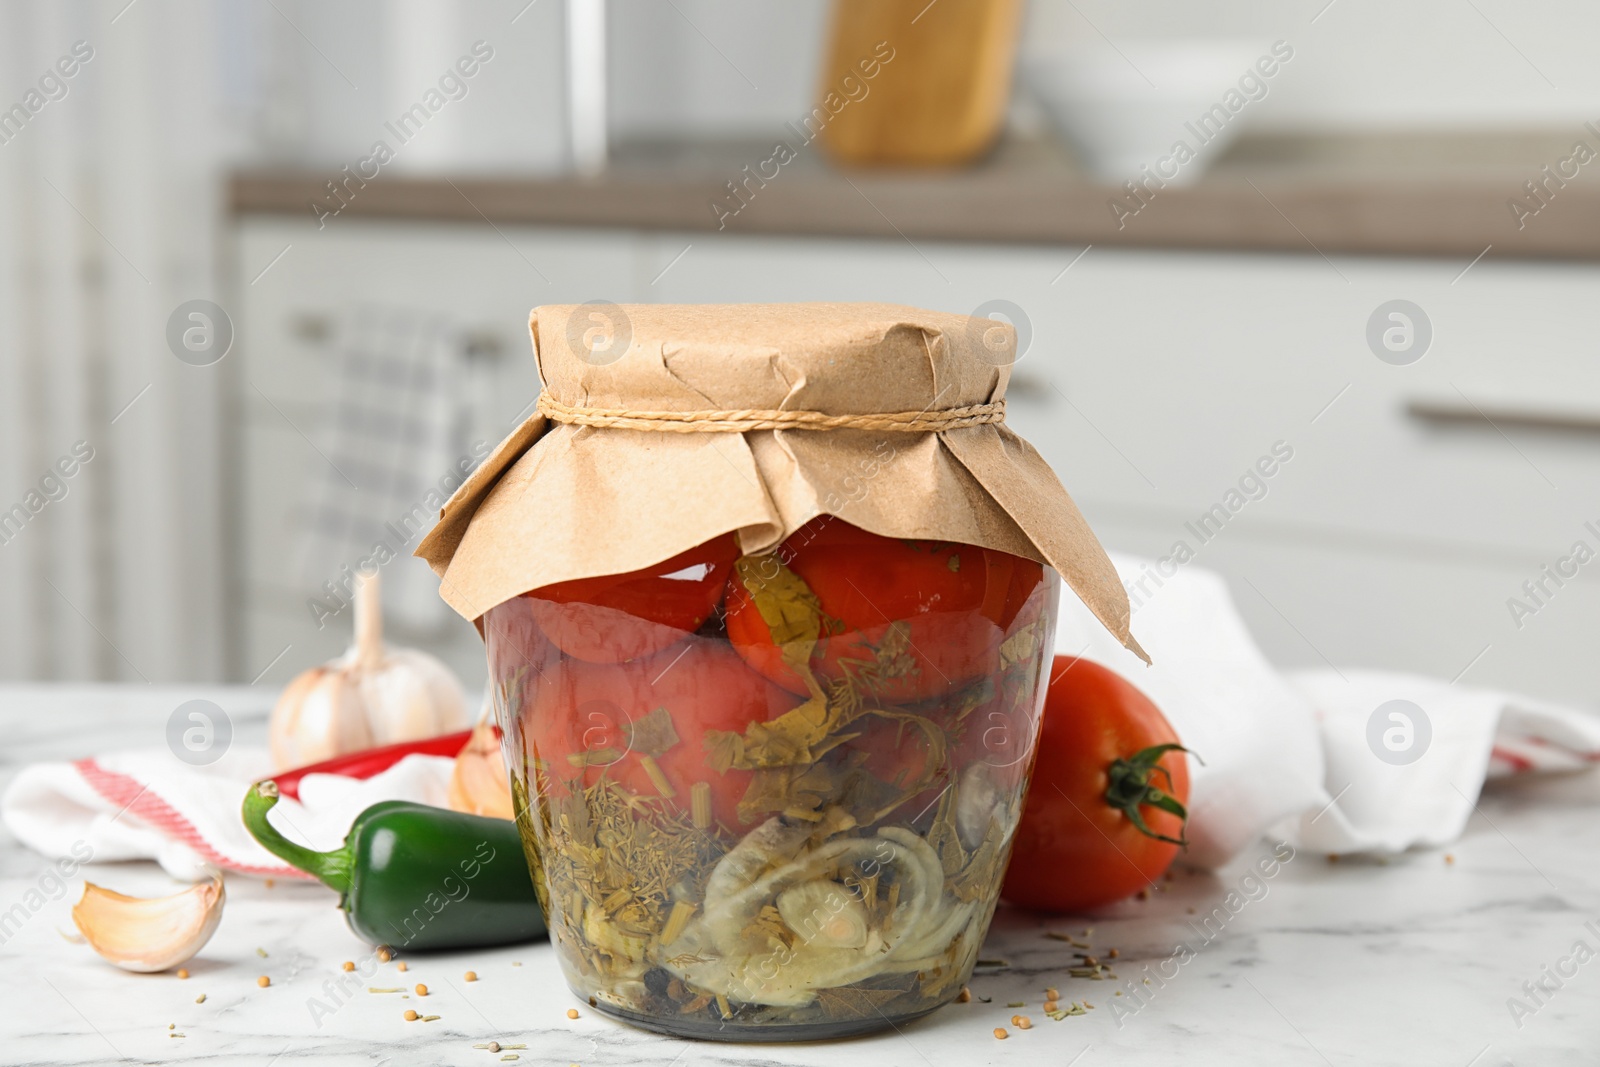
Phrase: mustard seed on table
(572, 1013)
(470, 976)
(410, 1016)
(263, 981)
(421, 990)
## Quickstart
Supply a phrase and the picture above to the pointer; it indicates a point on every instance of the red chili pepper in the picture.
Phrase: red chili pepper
(372, 761)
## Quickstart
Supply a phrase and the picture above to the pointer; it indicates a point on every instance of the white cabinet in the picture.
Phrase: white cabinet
(482, 281)
(1154, 381)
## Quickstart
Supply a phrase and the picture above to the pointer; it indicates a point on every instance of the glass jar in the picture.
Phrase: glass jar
(772, 797)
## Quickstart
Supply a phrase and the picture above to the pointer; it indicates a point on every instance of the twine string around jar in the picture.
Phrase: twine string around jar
(738, 421)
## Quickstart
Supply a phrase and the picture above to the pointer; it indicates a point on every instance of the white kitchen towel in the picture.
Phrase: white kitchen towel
(1406, 756)
(143, 804)
(1335, 761)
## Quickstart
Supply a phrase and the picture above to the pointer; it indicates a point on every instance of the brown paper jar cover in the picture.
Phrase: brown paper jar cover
(573, 494)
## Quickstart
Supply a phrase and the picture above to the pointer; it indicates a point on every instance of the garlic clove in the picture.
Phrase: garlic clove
(145, 935)
(478, 783)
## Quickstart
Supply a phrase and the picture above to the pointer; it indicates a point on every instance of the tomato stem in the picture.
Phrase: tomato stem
(1129, 788)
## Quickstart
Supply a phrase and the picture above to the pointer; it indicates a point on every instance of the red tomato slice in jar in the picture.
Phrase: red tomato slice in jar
(620, 617)
(904, 754)
(1026, 577)
(643, 724)
(905, 620)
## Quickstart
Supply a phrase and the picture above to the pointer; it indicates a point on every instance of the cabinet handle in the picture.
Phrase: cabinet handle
(1502, 413)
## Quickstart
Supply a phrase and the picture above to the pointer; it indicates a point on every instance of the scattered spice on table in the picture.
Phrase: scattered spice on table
(201, 999)
(348, 965)
(183, 972)
(1051, 1005)
(421, 990)
(402, 966)
(1000, 1033)
(572, 1013)
(430, 1018)
(261, 952)
(964, 996)
(1022, 1022)
(470, 976)
(410, 1016)
(384, 989)
(1113, 954)
(1071, 1009)
(1449, 858)
(263, 981)
(1052, 994)
(384, 955)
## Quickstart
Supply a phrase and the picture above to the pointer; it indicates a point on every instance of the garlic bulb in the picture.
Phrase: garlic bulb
(372, 695)
(478, 783)
(149, 935)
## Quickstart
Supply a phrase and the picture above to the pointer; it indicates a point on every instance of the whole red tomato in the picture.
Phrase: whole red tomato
(619, 617)
(1105, 814)
(643, 723)
(949, 601)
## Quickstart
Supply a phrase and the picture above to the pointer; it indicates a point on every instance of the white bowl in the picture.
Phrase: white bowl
(1124, 108)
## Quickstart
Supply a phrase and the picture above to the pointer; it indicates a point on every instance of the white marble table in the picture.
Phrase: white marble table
(1409, 962)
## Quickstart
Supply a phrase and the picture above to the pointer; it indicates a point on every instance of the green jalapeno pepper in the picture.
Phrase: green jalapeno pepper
(415, 876)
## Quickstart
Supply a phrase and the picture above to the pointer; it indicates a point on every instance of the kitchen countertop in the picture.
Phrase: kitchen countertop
(1356, 962)
(1433, 194)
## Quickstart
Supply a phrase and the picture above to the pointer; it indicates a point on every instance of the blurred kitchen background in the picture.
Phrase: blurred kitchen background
(277, 346)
